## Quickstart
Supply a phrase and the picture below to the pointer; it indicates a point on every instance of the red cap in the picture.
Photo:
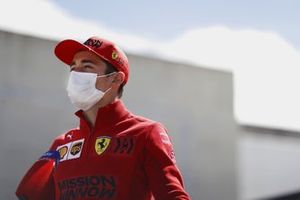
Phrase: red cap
(107, 50)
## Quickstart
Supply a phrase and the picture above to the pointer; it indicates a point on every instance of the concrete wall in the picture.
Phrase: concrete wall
(195, 104)
(268, 165)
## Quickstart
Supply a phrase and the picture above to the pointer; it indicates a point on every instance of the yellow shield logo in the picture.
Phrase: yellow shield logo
(114, 55)
(101, 144)
(63, 151)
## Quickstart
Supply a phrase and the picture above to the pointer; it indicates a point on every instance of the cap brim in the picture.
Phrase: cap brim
(66, 49)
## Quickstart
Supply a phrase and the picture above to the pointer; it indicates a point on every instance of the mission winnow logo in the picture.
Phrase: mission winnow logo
(87, 187)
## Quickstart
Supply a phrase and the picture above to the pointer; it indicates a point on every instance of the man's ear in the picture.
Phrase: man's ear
(118, 78)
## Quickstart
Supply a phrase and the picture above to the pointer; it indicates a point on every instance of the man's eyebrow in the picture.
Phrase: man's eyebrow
(88, 61)
(84, 62)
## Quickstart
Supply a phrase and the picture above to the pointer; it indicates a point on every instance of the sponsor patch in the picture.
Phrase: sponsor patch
(168, 145)
(71, 150)
(63, 151)
(124, 145)
(101, 144)
(88, 187)
(165, 138)
(76, 148)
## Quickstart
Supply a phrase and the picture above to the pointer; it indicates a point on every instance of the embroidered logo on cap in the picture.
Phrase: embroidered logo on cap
(93, 43)
(101, 144)
(114, 55)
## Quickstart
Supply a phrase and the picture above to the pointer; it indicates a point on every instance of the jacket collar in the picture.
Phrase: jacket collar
(107, 116)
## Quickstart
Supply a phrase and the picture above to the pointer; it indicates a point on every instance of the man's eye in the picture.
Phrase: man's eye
(71, 68)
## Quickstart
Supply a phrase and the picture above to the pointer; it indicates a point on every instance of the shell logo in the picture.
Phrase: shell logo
(63, 151)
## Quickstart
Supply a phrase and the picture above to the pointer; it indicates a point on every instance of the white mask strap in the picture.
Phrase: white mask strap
(106, 75)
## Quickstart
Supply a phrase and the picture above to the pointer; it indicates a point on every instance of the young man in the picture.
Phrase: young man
(113, 154)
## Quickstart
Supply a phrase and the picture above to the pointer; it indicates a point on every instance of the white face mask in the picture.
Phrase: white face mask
(82, 89)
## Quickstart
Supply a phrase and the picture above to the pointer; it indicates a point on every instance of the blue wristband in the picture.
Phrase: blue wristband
(52, 155)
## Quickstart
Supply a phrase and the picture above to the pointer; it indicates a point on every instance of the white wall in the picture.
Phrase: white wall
(268, 165)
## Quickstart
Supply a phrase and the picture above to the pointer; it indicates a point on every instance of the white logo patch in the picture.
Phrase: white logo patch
(165, 138)
(71, 150)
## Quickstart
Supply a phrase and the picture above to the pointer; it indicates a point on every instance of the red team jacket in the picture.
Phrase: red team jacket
(124, 157)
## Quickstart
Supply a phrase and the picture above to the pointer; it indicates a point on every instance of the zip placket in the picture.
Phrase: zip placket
(90, 138)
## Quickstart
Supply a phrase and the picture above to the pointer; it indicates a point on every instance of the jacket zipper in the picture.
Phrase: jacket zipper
(88, 142)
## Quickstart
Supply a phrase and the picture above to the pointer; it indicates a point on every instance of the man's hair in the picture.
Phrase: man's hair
(110, 69)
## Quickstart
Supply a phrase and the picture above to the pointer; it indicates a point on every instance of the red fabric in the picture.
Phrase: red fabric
(125, 157)
(37, 184)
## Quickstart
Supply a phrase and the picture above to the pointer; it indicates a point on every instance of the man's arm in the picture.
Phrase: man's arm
(164, 177)
(38, 182)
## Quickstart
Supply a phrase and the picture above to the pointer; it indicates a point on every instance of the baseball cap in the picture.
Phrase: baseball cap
(105, 49)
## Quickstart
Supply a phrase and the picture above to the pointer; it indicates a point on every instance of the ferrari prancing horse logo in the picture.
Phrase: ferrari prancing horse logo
(101, 144)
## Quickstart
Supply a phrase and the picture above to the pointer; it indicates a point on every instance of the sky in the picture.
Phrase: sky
(167, 19)
(258, 41)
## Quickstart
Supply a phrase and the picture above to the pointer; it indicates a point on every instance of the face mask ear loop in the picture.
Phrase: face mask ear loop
(106, 75)
(107, 90)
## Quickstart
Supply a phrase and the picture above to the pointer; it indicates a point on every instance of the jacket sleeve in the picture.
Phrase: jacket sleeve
(164, 177)
(38, 182)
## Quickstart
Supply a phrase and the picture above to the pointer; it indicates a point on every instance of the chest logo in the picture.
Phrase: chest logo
(76, 148)
(101, 144)
(63, 151)
(71, 150)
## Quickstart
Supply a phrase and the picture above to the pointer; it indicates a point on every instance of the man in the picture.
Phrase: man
(113, 154)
